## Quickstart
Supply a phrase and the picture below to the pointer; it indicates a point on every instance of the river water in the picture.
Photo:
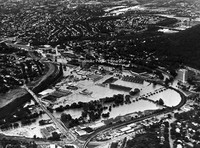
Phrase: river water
(170, 98)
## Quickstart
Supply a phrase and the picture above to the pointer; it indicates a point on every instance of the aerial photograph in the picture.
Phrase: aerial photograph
(99, 73)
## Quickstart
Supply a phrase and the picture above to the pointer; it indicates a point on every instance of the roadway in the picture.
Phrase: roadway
(183, 101)
(53, 69)
(69, 136)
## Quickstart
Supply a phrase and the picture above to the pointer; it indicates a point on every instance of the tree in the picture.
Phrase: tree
(65, 117)
(136, 91)
(74, 122)
(191, 81)
(106, 115)
(84, 114)
(160, 102)
(110, 108)
(55, 136)
(60, 109)
(167, 81)
(15, 125)
(173, 72)
(50, 109)
(159, 74)
(42, 122)
(69, 146)
(127, 98)
(114, 145)
(169, 116)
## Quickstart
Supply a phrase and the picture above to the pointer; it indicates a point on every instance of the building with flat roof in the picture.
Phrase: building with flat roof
(81, 132)
(97, 125)
(47, 91)
(124, 129)
(182, 75)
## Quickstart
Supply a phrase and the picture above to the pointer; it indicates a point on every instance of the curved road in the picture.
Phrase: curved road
(183, 101)
(71, 137)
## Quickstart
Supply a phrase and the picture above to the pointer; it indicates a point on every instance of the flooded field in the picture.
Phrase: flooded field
(170, 97)
(140, 105)
(28, 130)
(96, 90)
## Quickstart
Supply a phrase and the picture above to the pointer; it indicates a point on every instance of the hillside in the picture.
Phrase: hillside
(186, 44)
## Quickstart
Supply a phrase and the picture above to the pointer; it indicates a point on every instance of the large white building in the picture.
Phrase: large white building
(182, 75)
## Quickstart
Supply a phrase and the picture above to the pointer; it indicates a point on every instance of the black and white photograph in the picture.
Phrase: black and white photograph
(99, 73)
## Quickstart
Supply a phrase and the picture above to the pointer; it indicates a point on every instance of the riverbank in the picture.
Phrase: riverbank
(51, 76)
(117, 125)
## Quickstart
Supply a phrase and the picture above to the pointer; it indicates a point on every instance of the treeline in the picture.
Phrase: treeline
(185, 44)
(5, 143)
(167, 22)
(119, 87)
(23, 115)
(93, 110)
(116, 99)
